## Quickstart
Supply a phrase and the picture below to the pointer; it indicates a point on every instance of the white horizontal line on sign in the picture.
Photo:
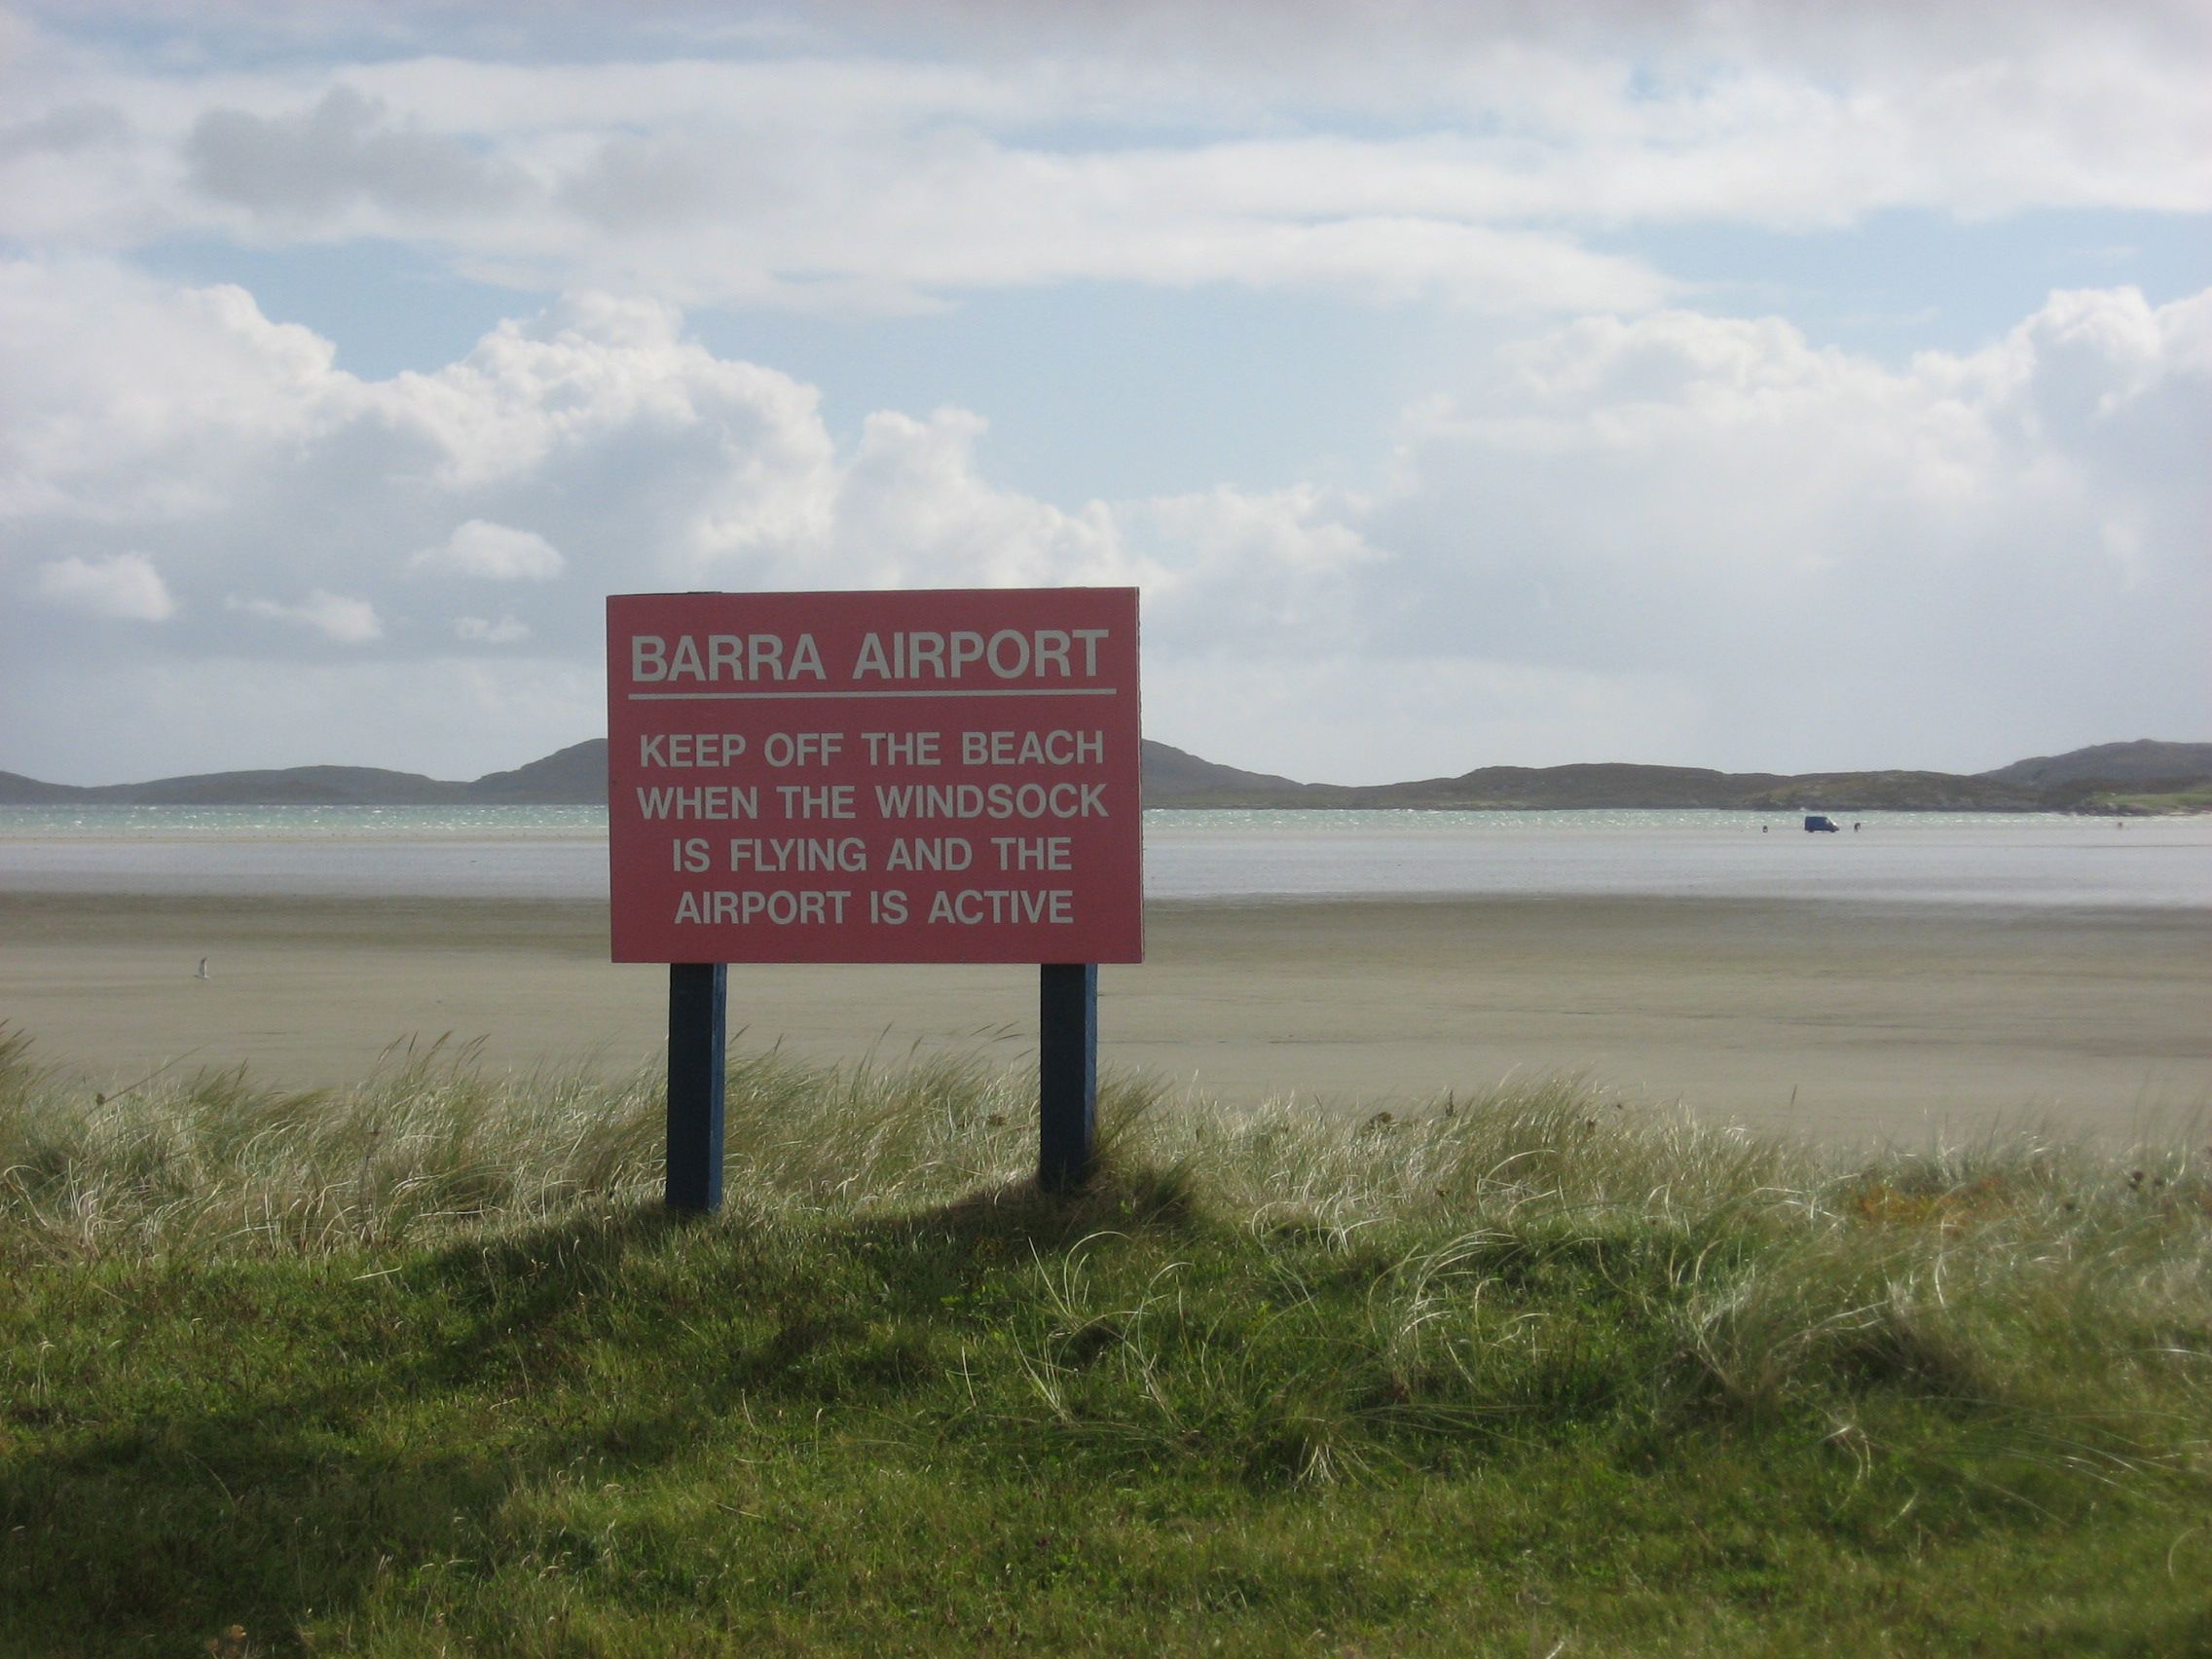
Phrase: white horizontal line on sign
(820, 696)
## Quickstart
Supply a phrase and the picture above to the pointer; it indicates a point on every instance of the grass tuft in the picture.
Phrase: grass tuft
(420, 1365)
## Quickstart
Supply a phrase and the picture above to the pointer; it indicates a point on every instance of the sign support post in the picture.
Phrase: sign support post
(1067, 1074)
(696, 1077)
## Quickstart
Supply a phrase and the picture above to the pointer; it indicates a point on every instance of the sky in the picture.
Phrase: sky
(1754, 386)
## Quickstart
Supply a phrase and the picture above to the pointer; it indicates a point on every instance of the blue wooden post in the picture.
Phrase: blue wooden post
(1067, 1074)
(695, 1080)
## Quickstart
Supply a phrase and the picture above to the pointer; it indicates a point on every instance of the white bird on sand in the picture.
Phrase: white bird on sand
(202, 973)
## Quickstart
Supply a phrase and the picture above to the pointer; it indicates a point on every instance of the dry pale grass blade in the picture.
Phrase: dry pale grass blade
(1993, 1269)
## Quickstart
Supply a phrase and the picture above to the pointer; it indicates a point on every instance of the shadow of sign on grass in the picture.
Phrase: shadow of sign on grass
(317, 1431)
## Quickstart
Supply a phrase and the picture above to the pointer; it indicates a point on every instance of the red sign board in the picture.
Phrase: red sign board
(946, 776)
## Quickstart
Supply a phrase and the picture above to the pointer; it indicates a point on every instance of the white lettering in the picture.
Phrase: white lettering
(1010, 653)
(707, 801)
(709, 749)
(780, 907)
(801, 748)
(872, 662)
(804, 855)
(1032, 748)
(973, 906)
(946, 853)
(738, 657)
(990, 800)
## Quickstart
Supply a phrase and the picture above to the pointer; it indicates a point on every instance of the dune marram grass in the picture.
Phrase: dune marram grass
(1536, 1366)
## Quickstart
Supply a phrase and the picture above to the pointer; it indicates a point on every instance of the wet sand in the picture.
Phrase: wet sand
(1848, 1021)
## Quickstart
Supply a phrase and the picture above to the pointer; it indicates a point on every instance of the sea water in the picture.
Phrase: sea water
(2035, 859)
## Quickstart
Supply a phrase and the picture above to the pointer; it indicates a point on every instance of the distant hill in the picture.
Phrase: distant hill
(1599, 786)
(1173, 777)
(15, 790)
(2129, 766)
(292, 786)
(572, 776)
(577, 774)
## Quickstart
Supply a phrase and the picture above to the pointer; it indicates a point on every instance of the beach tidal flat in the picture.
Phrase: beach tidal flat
(1927, 974)
(1855, 1022)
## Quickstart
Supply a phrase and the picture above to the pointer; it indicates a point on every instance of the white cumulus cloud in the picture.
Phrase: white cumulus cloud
(349, 622)
(122, 585)
(1662, 536)
(486, 631)
(491, 552)
(1882, 565)
(644, 461)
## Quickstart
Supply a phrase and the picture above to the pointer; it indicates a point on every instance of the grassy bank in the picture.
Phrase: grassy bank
(2157, 805)
(419, 1367)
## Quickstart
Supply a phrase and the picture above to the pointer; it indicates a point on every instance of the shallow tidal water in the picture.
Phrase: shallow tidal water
(2034, 861)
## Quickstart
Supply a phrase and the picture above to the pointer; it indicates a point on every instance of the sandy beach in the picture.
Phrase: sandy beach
(1847, 1021)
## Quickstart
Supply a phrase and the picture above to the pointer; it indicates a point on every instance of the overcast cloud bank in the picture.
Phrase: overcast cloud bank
(1674, 537)
(1621, 526)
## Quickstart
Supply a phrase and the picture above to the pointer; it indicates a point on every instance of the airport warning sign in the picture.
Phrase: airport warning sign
(935, 776)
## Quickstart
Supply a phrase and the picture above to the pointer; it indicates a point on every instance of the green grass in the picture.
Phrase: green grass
(420, 1367)
(2197, 799)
